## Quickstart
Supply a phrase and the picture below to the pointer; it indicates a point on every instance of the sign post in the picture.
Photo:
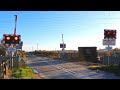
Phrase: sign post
(108, 42)
(109, 39)
(12, 59)
(63, 46)
(12, 42)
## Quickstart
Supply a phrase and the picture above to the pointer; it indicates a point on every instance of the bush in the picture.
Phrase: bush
(23, 73)
(53, 57)
(22, 64)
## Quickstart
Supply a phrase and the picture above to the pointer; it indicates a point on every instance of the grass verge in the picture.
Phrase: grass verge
(111, 68)
(23, 73)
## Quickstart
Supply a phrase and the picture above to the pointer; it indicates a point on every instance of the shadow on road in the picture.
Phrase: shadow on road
(47, 62)
(82, 75)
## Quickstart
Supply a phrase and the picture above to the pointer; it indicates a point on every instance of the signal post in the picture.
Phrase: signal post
(109, 39)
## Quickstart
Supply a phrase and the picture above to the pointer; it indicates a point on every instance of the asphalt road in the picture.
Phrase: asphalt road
(48, 68)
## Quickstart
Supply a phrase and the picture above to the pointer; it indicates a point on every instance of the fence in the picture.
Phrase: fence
(4, 66)
(7, 63)
(113, 59)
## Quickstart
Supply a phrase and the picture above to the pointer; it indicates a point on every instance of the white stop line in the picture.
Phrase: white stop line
(68, 71)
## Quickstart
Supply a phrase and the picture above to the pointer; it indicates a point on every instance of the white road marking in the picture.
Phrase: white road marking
(68, 71)
(75, 74)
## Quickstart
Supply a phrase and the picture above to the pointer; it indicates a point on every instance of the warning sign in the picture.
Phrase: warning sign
(22, 54)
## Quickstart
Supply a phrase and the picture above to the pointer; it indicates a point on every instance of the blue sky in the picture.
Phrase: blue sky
(80, 28)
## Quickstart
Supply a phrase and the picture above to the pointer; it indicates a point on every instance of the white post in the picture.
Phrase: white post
(63, 45)
(12, 59)
(108, 60)
(37, 46)
(103, 59)
(108, 51)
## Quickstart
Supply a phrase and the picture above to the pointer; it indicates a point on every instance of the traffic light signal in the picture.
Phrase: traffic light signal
(16, 40)
(113, 34)
(110, 34)
(7, 39)
(12, 39)
(62, 45)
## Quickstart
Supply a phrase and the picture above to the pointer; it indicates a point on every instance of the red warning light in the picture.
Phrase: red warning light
(16, 38)
(8, 38)
(108, 32)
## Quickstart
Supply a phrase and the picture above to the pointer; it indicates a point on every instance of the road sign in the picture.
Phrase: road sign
(11, 49)
(22, 54)
(109, 48)
(109, 42)
(19, 47)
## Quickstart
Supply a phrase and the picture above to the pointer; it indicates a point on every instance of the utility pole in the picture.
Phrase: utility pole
(37, 46)
(63, 45)
(32, 48)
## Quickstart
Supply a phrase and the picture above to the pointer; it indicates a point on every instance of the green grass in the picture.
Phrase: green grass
(111, 68)
(23, 73)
